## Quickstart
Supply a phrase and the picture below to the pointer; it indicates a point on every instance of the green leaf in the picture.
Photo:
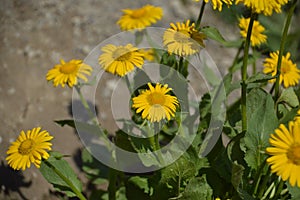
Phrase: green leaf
(294, 191)
(289, 97)
(262, 121)
(69, 122)
(214, 34)
(137, 188)
(197, 189)
(237, 175)
(259, 78)
(54, 166)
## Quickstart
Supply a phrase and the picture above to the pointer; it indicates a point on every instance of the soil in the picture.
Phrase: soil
(34, 36)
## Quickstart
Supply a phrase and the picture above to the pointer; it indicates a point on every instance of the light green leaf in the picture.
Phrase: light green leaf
(294, 191)
(259, 78)
(289, 97)
(197, 189)
(214, 34)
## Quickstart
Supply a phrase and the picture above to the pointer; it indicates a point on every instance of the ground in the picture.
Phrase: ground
(34, 36)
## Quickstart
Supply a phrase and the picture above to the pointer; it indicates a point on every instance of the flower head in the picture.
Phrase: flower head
(30, 147)
(257, 36)
(183, 39)
(148, 54)
(155, 104)
(217, 4)
(68, 73)
(264, 6)
(289, 73)
(285, 152)
(139, 18)
(120, 59)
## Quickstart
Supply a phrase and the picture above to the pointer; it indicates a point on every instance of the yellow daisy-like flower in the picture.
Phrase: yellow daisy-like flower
(183, 39)
(289, 73)
(148, 54)
(68, 73)
(217, 4)
(257, 36)
(264, 6)
(120, 59)
(30, 147)
(285, 152)
(155, 104)
(140, 18)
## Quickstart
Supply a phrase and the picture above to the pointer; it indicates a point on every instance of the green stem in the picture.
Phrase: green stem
(198, 22)
(258, 177)
(282, 45)
(236, 58)
(128, 85)
(264, 183)
(279, 189)
(86, 105)
(66, 180)
(112, 184)
(244, 73)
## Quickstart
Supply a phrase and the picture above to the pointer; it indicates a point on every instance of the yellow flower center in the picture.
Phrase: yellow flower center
(285, 67)
(156, 99)
(26, 147)
(121, 54)
(68, 68)
(182, 36)
(294, 154)
(138, 13)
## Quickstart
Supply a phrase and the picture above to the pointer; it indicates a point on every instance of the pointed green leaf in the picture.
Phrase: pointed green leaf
(51, 169)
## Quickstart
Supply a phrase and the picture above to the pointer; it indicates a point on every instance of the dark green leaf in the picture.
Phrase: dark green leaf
(50, 170)
(259, 78)
(69, 122)
(262, 121)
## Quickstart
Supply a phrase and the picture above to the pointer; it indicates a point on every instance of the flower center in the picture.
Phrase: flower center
(156, 99)
(285, 67)
(294, 154)
(26, 147)
(182, 36)
(138, 13)
(121, 54)
(68, 68)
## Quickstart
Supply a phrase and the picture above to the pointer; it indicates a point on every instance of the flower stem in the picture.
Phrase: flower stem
(244, 73)
(66, 180)
(112, 184)
(86, 105)
(282, 45)
(236, 58)
(198, 22)
(264, 183)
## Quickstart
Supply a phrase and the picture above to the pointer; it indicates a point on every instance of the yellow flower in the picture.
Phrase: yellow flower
(289, 73)
(147, 54)
(30, 147)
(285, 152)
(297, 117)
(155, 104)
(257, 36)
(217, 4)
(140, 18)
(68, 72)
(183, 39)
(120, 59)
(264, 6)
